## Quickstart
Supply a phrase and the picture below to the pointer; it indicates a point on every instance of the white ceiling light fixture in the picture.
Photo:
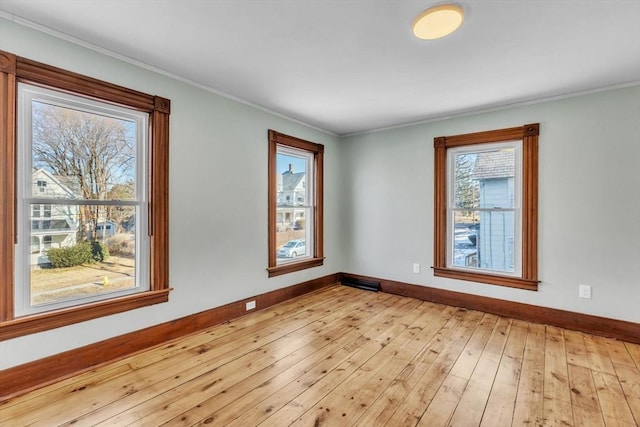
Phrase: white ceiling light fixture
(438, 21)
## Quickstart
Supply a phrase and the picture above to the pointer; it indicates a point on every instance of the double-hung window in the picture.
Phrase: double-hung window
(90, 154)
(486, 207)
(84, 176)
(295, 204)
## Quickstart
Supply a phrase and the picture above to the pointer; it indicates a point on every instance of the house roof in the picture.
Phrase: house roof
(291, 180)
(70, 182)
(67, 183)
(495, 164)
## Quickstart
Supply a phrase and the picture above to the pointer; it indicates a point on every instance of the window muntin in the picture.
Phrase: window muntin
(295, 204)
(483, 215)
(89, 156)
(516, 210)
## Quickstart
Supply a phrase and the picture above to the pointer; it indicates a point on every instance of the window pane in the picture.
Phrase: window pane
(292, 233)
(292, 179)
(85, 251)
(485, 179)
(293, 213)
(82, 155)
(484, 240)
(466, 190)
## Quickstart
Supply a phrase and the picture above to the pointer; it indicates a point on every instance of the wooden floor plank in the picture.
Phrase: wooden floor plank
(529, 400)
(557, 395)
(598, 354)
(475, 396)
(346, 357)
(576, 349)
(618, 353)
(613, 402)
(501, 403)
(629, 378)
(634, 352)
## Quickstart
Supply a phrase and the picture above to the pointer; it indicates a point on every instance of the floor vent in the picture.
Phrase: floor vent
(367, 285)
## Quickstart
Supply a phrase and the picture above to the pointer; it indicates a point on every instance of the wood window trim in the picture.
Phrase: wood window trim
(275, 139)
(528, 134)
(15, 69)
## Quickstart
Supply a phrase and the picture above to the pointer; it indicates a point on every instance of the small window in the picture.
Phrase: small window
(295, 230)
(486, 207)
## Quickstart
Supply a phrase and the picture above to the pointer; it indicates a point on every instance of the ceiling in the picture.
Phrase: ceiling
(348, 66)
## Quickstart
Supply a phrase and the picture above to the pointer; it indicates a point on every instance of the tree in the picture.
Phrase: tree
(466, 188)
(95, 152)
(123, 216)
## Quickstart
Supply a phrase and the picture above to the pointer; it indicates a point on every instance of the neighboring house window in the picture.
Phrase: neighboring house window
(295, 231)
(486, 193)
(101, 152)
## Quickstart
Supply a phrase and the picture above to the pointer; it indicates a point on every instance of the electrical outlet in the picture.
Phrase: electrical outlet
(584, 291)
(416, 268)
(251, 305)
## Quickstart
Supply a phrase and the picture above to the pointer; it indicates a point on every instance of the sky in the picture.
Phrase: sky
(283, 161)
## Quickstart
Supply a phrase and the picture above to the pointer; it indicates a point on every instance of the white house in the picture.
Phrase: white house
(52, 225)
(291, 198)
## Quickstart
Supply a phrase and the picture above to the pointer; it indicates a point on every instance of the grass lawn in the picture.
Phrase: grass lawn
(55, 284)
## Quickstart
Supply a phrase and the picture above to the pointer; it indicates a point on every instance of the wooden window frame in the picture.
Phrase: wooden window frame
(528, 134)
(317, 150)
(15, 69)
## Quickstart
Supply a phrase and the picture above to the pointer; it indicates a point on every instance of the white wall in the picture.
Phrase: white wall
(218, 197)
(589, 224)
(378, 200)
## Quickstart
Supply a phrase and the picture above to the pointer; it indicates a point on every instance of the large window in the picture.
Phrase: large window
(486, 207)
(84, 197)
(295, 204)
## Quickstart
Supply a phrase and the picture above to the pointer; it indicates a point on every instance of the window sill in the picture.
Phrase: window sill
(294, 266)
(55, 319)
(491, 279)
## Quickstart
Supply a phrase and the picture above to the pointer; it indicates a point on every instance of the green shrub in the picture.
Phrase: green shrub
(81, 253)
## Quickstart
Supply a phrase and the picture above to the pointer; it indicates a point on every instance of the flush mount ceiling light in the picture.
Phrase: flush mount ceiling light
(438, 21)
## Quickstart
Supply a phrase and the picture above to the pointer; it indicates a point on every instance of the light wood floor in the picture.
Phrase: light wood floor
(344, 357)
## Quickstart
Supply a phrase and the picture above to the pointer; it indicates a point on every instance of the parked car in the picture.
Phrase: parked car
(292, 249)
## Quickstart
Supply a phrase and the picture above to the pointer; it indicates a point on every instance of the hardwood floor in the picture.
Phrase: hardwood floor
(342, 357)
